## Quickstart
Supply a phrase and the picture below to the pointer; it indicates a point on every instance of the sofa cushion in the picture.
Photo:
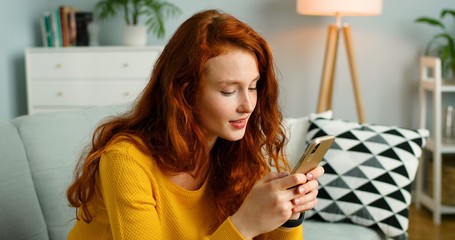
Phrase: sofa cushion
(369, 172)
(20, 212)
(317, 230)
(54, 143)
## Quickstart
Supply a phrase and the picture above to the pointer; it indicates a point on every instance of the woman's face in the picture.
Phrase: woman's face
(228, 95)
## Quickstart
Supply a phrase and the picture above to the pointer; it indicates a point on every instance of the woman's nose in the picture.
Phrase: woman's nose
(247, 103)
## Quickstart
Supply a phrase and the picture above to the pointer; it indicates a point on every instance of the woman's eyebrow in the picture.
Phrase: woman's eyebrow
(233, 82)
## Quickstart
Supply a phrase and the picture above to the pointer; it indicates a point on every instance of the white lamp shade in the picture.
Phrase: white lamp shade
(339, 7)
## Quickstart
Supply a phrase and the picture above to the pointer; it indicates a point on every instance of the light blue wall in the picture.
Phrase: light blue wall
(19, 29)
(387, 49)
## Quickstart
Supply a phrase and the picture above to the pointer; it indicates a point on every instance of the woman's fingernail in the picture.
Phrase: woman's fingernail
(309, 176)
(297, 201)
(301, 190)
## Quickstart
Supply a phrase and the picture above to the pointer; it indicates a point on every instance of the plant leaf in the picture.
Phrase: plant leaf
(447, 11)
(431, 21)
(155, 20)
(442, 49)
(108, 8)
(157, 11)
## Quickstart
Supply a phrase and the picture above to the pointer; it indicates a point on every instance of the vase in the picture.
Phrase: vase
(135, 35)
(93, 32)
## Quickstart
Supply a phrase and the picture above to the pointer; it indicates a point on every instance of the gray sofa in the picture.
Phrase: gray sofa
(37, 158)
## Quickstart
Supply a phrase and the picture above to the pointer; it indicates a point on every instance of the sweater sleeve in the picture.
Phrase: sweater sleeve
(284, 234)
(228, 231)
(127, 192)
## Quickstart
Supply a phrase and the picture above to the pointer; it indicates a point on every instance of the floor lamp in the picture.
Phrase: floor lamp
(339, 8)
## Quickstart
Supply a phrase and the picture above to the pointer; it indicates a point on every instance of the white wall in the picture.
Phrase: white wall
(387, 48)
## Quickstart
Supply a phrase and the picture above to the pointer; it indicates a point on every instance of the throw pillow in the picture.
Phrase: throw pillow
(369, 170)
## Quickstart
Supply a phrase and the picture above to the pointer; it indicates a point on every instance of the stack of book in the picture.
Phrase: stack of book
(65, 27)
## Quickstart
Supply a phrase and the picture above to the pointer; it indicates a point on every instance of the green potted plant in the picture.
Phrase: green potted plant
(442, 44)
(153, 11)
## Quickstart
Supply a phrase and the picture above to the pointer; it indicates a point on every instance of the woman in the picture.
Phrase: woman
(192, 159)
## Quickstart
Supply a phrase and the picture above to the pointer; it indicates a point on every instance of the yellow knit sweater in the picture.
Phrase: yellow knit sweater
(135, 200)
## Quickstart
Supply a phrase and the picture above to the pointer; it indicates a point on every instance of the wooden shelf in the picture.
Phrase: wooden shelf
(427, 201)
(446, 148)
(447, 86)
(431, 84)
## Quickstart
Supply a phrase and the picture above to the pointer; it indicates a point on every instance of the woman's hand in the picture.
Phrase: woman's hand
(307, 192)
(270, 203)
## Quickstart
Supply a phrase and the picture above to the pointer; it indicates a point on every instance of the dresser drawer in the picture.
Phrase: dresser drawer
(81, 65)
(61, 79)
(84, 93)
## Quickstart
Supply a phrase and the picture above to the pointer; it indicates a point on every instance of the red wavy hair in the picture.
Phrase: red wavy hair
(163, 117)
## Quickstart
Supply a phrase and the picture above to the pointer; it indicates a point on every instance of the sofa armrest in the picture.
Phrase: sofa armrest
(21, 216)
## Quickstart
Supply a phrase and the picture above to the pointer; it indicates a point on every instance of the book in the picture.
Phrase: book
(68, 25)
(72, 26)
(47, 32)
(43, 31)
(63, 12)
(65, 27)
(82, 21)
(56, 29)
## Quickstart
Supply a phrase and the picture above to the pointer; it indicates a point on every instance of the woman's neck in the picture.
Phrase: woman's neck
(189, 181)
(195, 179)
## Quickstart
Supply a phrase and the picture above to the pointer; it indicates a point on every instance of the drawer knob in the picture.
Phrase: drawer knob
(125, 65)
(58, 65)
(59, 94)
(126, 94)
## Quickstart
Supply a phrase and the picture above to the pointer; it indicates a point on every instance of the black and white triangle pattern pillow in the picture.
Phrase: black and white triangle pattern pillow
(368, 174)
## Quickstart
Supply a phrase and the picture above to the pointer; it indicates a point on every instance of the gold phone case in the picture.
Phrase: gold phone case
(313, 154)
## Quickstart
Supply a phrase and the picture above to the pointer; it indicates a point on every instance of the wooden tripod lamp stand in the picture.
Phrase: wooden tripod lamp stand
(339, 8)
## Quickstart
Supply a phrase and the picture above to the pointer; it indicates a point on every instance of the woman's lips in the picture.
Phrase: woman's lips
(238, 124)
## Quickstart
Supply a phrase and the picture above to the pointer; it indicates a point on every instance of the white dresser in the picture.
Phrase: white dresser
(79, 77)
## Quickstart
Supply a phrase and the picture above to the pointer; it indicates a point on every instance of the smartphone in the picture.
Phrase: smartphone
(313, 154)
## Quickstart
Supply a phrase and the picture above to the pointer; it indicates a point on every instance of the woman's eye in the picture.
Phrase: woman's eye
(226, 93)
(253, 88)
